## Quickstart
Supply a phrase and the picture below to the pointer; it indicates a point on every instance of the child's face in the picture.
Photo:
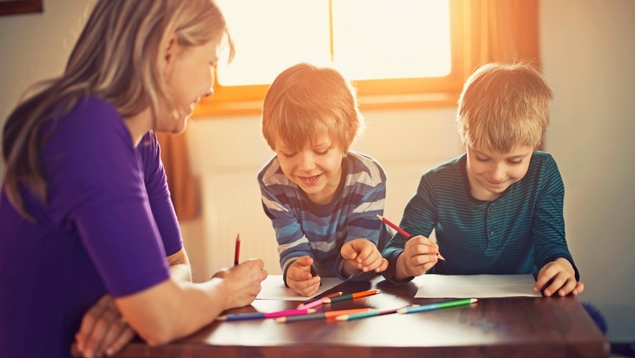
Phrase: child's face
(491, 173)
(316, 169)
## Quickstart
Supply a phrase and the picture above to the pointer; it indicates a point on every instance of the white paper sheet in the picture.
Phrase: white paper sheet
(475, 286)
(273, 288)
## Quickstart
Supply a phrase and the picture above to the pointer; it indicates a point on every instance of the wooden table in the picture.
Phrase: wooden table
(494, 327)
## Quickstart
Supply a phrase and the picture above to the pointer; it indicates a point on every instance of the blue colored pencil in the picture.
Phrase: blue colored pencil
(263, 315)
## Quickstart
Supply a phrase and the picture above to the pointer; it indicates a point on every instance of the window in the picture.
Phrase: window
(398, 53)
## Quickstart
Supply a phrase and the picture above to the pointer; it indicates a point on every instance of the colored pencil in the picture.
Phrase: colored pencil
(321, 315)
(369, 313)
(436, 306)
(237, 250)
(318, 301)
(263, 315)
(399, 230)
(351, 296)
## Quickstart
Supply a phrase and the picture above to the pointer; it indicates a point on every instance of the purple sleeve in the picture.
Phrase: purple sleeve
(159, 194)
(97, 188)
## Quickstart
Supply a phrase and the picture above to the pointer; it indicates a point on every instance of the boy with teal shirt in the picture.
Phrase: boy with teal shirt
(322, 198)
(498, 208)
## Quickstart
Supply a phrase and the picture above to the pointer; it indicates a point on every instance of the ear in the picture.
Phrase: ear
(168, 54)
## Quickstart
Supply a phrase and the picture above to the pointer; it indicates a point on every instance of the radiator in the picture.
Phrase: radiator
(230, 206)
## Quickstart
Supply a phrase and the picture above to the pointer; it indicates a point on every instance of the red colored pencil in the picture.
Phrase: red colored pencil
(399, 230)
(237, 250)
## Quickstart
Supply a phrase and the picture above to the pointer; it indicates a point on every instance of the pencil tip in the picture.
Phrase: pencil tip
(221, 318)
(473, 300)
(281, 319)
(380, 217)
(237, 237)
(342, 318)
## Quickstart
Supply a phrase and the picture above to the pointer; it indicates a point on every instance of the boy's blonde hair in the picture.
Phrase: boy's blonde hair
(504, 105)
(306, 101)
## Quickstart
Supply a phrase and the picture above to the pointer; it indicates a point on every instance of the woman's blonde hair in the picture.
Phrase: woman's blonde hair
(306, 101)
(504, 105)
(116, 58)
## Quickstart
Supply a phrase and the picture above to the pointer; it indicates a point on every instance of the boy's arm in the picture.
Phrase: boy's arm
(418, 219)
(548, 223)
(292, 243)
(362, 220)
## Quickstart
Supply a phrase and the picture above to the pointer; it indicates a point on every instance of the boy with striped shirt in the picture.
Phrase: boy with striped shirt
(322, 199)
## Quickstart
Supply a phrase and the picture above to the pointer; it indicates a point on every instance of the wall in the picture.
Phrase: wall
(587, 48)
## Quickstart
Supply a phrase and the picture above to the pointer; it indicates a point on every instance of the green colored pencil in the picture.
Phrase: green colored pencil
(371, 313)
(436, 306)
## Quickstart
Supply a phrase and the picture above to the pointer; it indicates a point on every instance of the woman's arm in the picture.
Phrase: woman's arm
(173, 309)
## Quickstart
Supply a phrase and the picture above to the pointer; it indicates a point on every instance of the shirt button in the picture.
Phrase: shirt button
(491, 231)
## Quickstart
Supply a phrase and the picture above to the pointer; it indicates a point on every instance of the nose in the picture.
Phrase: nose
(305, 161)
(498, 173)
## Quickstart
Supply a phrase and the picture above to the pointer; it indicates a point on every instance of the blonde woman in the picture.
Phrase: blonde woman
(91, 251)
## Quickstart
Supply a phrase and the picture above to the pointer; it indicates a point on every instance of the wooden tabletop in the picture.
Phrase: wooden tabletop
(493, 327)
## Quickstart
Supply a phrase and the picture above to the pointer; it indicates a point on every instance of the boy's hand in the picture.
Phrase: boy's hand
(299, 278)
(362, 254)
(419, 255)
(558, 276)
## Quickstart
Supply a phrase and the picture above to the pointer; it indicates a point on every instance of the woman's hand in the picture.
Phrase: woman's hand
(242, 282)
(103, 330)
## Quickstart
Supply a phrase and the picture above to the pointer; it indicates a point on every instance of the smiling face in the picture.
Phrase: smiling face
(189, 75)
(490, 173)
(316, 169)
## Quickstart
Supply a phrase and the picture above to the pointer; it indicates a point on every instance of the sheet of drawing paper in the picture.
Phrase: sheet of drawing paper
(475, 286)
(273, 288)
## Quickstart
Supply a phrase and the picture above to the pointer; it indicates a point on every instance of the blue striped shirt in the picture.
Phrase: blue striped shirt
(319, 231)
(517, 233)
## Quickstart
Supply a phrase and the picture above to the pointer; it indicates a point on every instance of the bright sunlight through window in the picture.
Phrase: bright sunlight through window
(365, 39)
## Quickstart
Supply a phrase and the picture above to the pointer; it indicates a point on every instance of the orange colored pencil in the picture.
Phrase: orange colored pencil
(351, 296)
(322, 315)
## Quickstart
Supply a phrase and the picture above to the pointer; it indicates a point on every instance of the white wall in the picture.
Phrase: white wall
(588, 49)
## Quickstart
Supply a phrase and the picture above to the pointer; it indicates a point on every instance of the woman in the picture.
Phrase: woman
(91, 250)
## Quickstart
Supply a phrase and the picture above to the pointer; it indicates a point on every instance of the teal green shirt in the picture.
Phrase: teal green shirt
(517, 233)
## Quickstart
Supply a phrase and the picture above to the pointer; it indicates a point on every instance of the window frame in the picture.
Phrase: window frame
(380, 94)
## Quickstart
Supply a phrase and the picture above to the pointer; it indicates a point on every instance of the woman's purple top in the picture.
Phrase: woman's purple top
(106, 228)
